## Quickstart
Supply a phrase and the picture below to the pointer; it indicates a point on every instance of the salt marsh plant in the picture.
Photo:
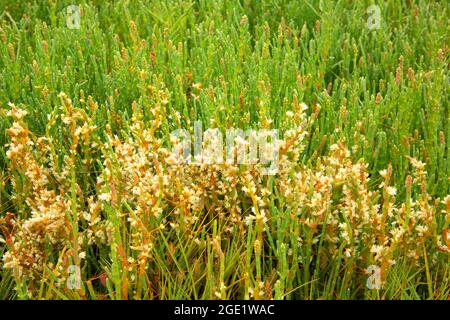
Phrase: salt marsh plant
(95, 205)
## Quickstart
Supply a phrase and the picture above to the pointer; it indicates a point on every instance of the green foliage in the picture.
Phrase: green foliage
(384, 92)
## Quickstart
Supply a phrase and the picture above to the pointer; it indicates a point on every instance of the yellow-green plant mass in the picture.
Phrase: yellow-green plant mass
(93, 205)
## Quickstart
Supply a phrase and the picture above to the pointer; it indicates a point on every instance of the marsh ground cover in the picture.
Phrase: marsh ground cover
(92, 205)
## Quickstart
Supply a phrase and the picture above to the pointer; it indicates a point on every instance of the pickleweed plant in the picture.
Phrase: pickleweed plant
(150, 218)
(224, 150)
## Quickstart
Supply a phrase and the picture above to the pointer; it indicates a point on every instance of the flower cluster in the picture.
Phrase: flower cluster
(140, 197)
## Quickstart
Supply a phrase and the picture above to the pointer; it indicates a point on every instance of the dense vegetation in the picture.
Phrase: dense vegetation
(87, 177)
